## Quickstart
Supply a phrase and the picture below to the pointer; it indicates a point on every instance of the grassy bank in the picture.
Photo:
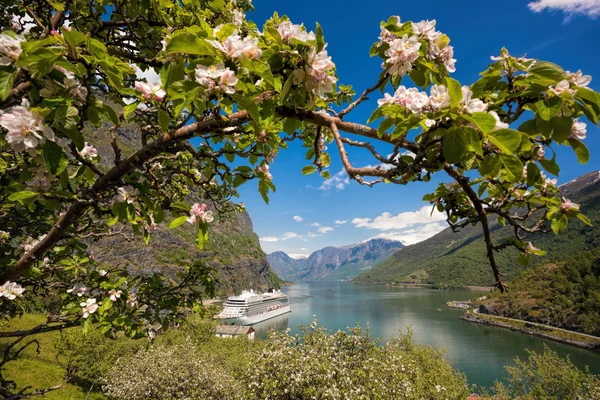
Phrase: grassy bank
(41, 370)
(543, 331)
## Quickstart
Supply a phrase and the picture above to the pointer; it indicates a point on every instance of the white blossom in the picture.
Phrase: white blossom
(126, 194)
(578, 79)
(578, 130)
(499, 123)
(401, 54)
(89, 152)
(10, 47)
(25, 128)
(11, 290)
(289, 31)
(439, 97)
(150, 91)
(562, 87)
(79, 289)
(115, 294)
(88, 307)
(470, 104)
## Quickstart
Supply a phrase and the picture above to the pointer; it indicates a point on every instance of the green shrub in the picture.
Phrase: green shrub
(87, 357)
(547, 376)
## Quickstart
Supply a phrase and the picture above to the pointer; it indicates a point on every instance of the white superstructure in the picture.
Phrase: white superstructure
(250, 307)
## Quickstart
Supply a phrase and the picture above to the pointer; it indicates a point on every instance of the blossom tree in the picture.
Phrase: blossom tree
(243, 91)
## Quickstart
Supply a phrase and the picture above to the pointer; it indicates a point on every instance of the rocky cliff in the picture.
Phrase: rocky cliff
(233, 249)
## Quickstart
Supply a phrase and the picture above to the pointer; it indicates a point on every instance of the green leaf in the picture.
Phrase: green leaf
(7, 78)
(163, 120)
(524, 259)
(22, 196)
(589, 102)
(513, 167)
(533, 174)
(560, 224)
(190, 44)
(490, 166)
(201, 235)
(325, 160)
(484, 121)
(55, 158)
(561, 128)
(455, 91)
(249, 105)
(263, 189)
(320, 39)
(309, 169)
(581, 150)
(291, 125)
(129, 109)
(548, 108)
(584, 219)
(507, 140)
(326, 174)
(551, 166)
(454, 145)
(73, 37)
(548, 70)
(180, 205)
(178, 222)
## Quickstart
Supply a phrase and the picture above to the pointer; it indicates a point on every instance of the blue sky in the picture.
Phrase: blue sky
(477, 31)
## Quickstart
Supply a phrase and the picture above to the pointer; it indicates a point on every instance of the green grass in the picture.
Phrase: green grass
(43, 370)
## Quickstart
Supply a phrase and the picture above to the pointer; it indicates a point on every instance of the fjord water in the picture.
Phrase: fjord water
(481, 352)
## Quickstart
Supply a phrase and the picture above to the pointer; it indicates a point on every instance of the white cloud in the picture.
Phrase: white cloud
(325, 229)
(338, 181)
(312, 234)
(269, 239)
(340, 221)
(591, 8)
(416, 234)
(298, 218)
(150, 75)
(315, 224)
(303, 248)
(298, 256)
(387, 221)
(289, 235)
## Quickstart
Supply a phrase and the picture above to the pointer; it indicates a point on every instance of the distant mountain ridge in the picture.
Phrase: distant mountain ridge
(458, 259)
(333, 263)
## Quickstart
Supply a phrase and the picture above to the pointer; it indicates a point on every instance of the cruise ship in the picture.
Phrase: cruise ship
(250, 308)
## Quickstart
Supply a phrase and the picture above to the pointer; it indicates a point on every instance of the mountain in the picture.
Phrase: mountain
(285, 266)
(334, 263)
(458, 259)
(233, 249)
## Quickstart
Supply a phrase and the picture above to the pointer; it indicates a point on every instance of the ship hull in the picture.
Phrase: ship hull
(255, 319)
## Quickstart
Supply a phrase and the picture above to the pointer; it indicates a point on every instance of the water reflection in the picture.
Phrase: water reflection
(279, 323)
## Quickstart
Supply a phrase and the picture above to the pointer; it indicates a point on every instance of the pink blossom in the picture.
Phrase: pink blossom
(289, 31)
(153, 91)
(265, 170)
(568, 206)
(201, 213)
(439, 97)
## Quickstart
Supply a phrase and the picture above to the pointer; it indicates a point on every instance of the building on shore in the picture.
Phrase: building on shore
(230, 331)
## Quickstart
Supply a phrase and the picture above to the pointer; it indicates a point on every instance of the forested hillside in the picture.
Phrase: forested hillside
(566, 295)
(457, 259)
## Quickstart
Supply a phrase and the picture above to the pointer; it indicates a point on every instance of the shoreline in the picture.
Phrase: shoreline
(571, 338)
(414, 285)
